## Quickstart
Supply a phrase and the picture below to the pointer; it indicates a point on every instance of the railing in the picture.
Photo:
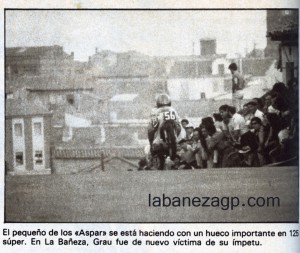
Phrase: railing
(97, 153)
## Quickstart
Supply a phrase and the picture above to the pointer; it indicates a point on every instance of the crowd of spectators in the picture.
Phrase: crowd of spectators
(264, 131)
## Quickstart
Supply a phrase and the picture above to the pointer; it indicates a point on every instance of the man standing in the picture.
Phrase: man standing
(235, 126)
(238, 84)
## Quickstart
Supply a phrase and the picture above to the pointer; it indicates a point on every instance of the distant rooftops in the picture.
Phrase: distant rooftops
(186, 69)
(35, 51)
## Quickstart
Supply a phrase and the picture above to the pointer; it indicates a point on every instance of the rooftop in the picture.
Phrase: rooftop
(286, 27)
(188, 69)
(23, 107)
(41, 83)
(33, 51)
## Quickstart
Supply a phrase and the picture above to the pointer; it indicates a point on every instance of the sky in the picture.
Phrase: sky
(150, 32)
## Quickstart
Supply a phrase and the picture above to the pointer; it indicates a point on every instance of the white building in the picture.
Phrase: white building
(198, 78)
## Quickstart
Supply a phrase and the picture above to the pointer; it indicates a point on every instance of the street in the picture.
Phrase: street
(114, 196)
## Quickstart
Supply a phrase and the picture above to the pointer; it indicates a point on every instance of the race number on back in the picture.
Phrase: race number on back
(170, 115)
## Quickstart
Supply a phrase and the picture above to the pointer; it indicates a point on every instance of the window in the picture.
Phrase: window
(202, 95)
(287, 12)
(38, 157)
(37, 128)
(18, 130)
(70, 99)
(221, 69)
(19, 158)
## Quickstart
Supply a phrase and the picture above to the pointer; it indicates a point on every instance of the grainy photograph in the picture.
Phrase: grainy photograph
(151, 116)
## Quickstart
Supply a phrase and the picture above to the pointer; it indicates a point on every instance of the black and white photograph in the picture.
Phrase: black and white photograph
(151, 116)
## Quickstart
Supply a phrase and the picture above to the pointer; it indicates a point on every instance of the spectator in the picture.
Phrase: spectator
(254, 111)
(246, 114)
(280, 105)
(268, 107)
(248, 148)
(189, 133)
(177, 163)
(237, 125)
(187, 156)
(224, 112)
(206, 156)
(198, 149)
(216, 142)
(271, 146)
(267, 102)
(238, 84)
(259, 131)
(218, 121)
(291, 143)
(259, 102)
(184, 123)
(271, 109)
(244, 111)
(238, 135)
(206, 121)
(281, 89)
(284, 136)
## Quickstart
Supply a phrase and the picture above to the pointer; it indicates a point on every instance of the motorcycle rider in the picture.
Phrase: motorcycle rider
(159, 115)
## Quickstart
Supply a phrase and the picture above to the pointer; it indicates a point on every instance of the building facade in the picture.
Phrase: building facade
(282, 31)
(198, 78)
(28, 137)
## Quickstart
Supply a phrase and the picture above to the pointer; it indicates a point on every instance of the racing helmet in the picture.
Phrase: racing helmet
(163, 100)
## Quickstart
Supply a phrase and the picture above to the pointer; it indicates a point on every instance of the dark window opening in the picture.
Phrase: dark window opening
(209, 70)
(70, 99)
(38, 157)
(19, 158)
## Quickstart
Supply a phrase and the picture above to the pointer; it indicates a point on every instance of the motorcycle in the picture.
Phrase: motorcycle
(166, 140)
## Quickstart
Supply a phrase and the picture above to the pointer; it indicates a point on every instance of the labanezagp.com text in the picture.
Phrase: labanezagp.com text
(224, 203)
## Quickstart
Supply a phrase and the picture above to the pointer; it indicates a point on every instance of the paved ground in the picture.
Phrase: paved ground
(123, 196)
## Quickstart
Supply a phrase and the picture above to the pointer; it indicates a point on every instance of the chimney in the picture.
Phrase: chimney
(208, 47)
(96, 50)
